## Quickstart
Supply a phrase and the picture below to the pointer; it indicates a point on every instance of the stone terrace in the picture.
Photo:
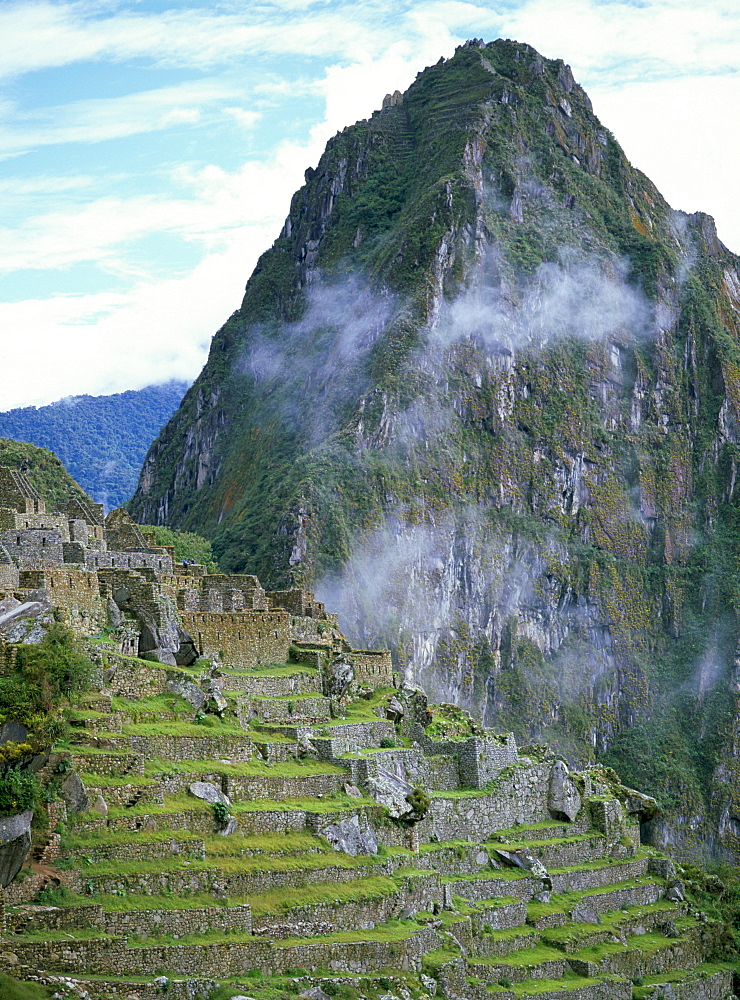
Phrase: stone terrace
(259, 803)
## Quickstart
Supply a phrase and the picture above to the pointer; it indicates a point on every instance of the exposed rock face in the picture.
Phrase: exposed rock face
(187, 690)
(512, 453)
(15, 841)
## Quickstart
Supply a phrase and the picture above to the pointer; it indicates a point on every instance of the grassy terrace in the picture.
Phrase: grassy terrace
(563, 901)
(360, 710)
(613, 921)
(282, 901)
(235, 863)
(111, 837)
(526, 957)
(274, 670)
(569, 982)
(254, 768)
(702, 971)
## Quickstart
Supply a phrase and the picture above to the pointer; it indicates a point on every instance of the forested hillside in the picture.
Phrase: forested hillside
(102, 440)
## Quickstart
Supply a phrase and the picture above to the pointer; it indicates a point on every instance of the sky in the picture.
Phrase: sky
(149, 150)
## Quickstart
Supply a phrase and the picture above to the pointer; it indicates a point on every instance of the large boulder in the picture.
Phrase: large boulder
(392, 791)
(207, 791)
(350, 837)
(644, 807)
(563, 799)
(522, 858)
(181, 686)
(74, 794)
(339, 675)
(13, 732)
(15, 843)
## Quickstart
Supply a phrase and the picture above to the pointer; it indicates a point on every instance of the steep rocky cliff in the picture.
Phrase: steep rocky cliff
(484, 392)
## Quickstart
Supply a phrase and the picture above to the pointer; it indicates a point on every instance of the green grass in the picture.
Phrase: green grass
(362, 709)
(13, 989)
(569, 982)
(132, 902)
(339, 802)
(113, 781)
(273, 670)
(525, 957)
(172, 804)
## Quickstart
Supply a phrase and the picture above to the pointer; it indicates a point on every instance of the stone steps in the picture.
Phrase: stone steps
(123, 791)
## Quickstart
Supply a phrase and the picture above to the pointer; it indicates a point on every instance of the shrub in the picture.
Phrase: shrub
(19, 791)
(419, 802)
(45, 676)
(221, 813)
(387, 743)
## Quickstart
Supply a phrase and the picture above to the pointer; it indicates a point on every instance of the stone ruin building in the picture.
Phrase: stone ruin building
(246, 797)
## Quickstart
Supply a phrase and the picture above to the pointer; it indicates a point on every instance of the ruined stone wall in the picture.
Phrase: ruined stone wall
(483, 758)
(30, 548)
(225, 959)
(77, 593)
(108, 559)
(9, 576)
(18, 493)
(244, 639)
(222, 593)
(521, 798)
(8, 654)
(132, 678)
(178, 923)
(373, 667)
(296, 602)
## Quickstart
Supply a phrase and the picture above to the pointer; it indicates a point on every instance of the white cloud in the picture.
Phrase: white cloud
(98, 119)
(40, 35)
(681, 133)
(613, 38)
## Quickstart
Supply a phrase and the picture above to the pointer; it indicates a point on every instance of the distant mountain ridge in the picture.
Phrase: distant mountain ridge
(101, 440)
